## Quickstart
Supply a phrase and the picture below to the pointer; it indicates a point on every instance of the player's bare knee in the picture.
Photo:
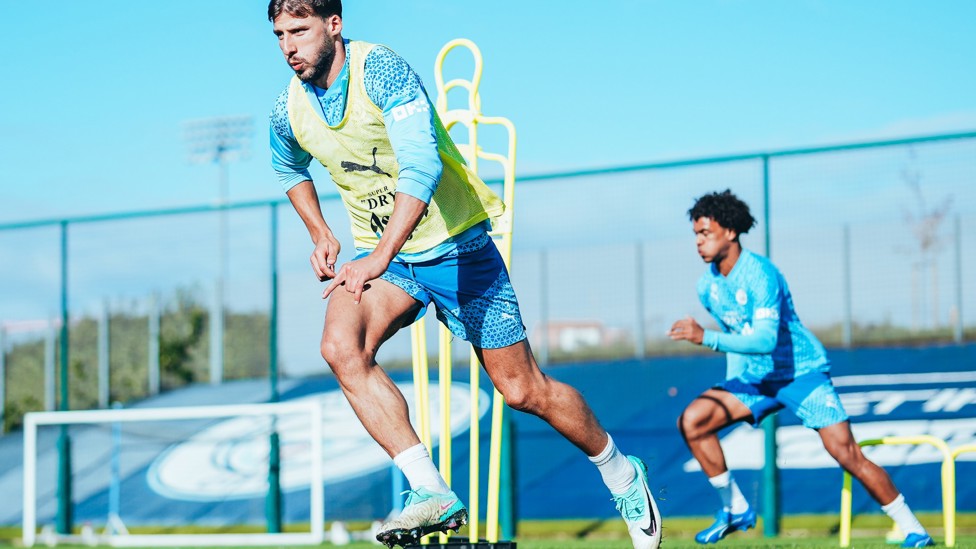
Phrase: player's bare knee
(338, 352)
(518, 398)
(847, 455)
(693, 422)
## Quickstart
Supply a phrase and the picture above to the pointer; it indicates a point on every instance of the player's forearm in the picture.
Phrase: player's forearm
(305, 200)
(761, 341)
(407, 213)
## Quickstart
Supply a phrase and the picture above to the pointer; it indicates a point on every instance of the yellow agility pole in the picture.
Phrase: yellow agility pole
(444, 381)
(948, 486)
(421, 383)
(421, 380)
(501, 233)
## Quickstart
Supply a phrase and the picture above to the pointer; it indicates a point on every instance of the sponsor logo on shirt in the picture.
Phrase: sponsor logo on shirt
(354, 167)
(404, 111)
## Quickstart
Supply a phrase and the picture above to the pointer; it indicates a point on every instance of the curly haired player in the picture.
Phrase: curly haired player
(774, 362)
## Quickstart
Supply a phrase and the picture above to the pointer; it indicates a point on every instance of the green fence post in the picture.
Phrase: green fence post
(507, 512)
(771, 499)
(64, 522)
(272, 507)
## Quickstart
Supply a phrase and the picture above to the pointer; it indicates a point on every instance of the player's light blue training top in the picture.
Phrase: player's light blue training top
(390, 83)
(761, 334)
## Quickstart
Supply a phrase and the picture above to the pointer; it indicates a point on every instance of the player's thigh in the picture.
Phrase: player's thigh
(713, 410)
(514, 372)
(382, 310)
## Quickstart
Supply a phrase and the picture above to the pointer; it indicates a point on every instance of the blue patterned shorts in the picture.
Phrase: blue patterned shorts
(471, 292)
(810, 396)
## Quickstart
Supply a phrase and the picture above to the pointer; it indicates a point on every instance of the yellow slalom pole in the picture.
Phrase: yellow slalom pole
(502, 227)
(948, 486)
(444, 381)
(474, 440)
(421, 380)
(494, 469)
(845, 511)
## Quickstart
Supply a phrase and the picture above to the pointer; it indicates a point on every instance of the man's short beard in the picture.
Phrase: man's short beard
(321, 68)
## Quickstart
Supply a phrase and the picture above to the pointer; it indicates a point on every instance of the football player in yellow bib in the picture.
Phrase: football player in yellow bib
(419, 219)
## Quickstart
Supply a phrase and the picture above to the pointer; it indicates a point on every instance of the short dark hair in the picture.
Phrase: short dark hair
(725, 208)
(304, 8)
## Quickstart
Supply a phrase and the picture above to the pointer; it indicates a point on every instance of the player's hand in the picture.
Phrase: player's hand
(324, 257)
(687, 329)
(354, 275)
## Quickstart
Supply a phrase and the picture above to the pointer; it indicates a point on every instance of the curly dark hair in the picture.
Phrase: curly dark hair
(304, 8)
(725, 208)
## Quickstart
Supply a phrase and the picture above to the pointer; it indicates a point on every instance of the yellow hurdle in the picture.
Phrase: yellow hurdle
(948, 486)
(471, 117)
(964, 449)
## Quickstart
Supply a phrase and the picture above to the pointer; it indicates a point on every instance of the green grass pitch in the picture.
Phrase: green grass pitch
(800, 532)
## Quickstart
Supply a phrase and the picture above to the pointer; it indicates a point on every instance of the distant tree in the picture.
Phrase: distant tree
(925, 223)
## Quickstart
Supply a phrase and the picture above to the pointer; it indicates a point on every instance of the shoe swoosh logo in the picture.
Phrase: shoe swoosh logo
(446, 506)
(651, 530)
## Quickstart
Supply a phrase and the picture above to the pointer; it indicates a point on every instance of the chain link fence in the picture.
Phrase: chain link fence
(875, 240)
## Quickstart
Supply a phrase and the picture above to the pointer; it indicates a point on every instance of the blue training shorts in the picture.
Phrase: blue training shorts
(810, 396)
(471, 291)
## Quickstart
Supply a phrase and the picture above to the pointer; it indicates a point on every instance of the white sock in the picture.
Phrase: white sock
(899, 512)
(617, 471)
(728, 490)
(418, 467)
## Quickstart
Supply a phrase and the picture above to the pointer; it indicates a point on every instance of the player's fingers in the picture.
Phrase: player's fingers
(336, 282)
(317, 268)
(330, 259)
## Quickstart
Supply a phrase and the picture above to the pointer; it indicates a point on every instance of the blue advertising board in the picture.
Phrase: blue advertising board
(213, 473)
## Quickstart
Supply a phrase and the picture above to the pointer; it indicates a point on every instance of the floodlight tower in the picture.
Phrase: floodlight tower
(219, 140)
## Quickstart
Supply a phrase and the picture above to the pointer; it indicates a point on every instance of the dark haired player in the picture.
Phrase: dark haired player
(773, 362)
(419, 217)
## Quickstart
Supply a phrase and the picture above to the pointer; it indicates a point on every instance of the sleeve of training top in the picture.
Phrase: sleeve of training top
(766, 295)
(761, 341)
(396, 89)
(289, 160)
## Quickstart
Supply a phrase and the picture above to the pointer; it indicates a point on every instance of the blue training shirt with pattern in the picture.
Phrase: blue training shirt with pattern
(762, 335)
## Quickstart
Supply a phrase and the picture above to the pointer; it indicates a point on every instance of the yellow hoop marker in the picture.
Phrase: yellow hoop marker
(964, 449)
(948, 486)
(501, 233)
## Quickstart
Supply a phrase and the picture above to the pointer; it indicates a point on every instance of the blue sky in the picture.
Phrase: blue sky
(95, 92)
(95, 96)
